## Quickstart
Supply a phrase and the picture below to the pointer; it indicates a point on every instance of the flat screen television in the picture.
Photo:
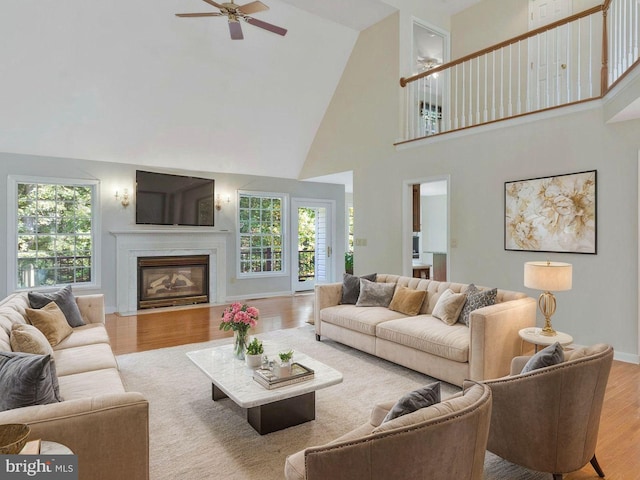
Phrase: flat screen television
(164, 199)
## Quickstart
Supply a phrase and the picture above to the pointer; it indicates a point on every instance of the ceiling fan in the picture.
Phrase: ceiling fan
(237, 12)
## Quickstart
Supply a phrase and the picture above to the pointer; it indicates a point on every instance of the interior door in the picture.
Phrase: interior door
(548, 54)
(543, 12)
(312, 247)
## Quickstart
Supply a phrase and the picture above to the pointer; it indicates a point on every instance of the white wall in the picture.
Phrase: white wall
(603, 305)
(434, 223)
(130, 82)
(114, 177)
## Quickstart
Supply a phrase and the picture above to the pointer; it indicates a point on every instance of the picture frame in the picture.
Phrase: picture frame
(555, 214)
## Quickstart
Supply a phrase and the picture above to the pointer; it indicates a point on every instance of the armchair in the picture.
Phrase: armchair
(442, 442)
(548, 419)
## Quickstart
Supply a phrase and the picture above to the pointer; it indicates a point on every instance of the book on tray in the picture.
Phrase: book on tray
(269, 380)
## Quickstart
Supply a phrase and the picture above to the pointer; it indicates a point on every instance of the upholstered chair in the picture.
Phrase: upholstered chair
(442, 442)
(547, 419)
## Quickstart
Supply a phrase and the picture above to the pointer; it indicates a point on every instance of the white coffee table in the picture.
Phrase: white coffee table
(267, 410)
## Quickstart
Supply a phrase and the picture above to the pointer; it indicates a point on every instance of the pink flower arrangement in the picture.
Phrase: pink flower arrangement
(238, 316)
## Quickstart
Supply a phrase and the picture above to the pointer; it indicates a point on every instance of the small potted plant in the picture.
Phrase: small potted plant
(253, 358)
(283, 368)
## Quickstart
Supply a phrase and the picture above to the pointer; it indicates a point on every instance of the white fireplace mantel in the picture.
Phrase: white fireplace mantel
(131, 244)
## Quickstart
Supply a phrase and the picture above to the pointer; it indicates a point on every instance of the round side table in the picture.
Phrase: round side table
(533, 335)
(54, 448)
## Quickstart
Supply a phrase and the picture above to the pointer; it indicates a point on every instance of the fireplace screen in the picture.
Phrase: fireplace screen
(175, 280)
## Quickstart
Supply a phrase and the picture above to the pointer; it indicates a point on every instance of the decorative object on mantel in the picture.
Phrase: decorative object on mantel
(235, 13)
(239, 318)
(253, 357)
(551, 214)
(548, 276)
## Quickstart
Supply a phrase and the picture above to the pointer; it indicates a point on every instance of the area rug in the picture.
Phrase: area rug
(193, 437)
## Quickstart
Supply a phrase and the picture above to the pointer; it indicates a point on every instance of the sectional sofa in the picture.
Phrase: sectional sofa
(482, 350)
(104, 425)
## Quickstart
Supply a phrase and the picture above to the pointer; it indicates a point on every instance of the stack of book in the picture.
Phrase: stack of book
(269, 380)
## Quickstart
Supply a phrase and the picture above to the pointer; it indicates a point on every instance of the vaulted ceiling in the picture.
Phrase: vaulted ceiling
(130, 82)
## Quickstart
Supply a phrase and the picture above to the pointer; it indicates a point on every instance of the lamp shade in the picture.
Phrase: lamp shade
(548, 276)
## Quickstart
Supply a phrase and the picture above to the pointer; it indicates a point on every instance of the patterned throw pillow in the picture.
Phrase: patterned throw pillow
(476, 299)
(449, 306)
(551, 355)
(412, 401)
(351, 287)
(374, 294)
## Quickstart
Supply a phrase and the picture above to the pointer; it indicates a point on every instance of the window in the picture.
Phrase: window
(261, 234)
(55, 235)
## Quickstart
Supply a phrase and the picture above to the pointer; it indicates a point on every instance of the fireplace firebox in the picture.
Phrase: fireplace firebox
(173, 280)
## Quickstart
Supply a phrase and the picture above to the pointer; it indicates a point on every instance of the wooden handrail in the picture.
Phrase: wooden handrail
(590, 11)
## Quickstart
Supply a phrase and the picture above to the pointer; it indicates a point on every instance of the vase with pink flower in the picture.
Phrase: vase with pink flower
(239, 318)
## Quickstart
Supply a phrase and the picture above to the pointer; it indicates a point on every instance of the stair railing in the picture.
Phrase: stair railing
(563, 63)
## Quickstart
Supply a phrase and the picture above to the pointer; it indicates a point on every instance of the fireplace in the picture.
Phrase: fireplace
(172, 280)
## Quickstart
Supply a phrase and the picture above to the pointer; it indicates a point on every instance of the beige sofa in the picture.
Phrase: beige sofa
(105, 426)
(482, 350)
(444, 441)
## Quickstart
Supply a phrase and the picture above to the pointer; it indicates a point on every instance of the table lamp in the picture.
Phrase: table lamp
(547, 276)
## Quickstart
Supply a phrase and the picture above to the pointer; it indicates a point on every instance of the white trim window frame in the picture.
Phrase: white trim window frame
(262, 236)
(39, 277)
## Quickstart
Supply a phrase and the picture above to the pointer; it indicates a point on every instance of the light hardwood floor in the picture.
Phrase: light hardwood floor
(618, 448)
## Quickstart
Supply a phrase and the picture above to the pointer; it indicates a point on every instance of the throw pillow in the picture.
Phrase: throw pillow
(477, 299)
(412, 401)
(551, 355)
(25, 380)
(373, 294)
(64, 299)
(28, 339)
(449, 306)
(351, 287)
(407, 300)
(51, 321)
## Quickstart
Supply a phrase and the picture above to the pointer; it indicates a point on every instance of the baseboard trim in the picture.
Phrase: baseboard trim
(626, 357)
(256, 296)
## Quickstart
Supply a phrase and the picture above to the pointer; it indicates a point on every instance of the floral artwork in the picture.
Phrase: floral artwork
(552, 214)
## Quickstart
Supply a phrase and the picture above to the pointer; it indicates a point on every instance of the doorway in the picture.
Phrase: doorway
(312, 248)
(426, 227)
(429, 49)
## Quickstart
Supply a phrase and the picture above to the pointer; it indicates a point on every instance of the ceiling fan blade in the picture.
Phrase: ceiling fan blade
(211, 14)
(214, 4)
(267, 26)
(253, 7)
(235, 30)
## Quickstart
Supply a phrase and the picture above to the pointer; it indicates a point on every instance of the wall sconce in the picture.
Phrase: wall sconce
(125, 197)
(219, 201)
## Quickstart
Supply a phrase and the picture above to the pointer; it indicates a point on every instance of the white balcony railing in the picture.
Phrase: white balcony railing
(560, 64)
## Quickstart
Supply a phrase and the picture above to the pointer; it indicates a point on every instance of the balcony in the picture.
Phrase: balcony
(575, 60)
